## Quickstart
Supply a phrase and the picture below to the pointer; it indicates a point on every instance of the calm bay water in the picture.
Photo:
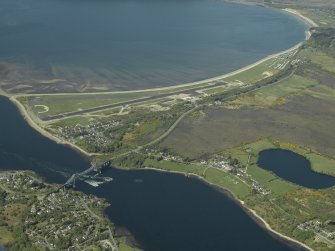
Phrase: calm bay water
(294, 168)
(140, 43)
(163, 211)
(130, 43)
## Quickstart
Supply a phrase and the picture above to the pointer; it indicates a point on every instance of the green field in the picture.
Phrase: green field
(256, 73)
(5, 236)
(275, 94)
(59, 104)
(321, 164)
(215, 90)
(322, 92)
(73, 121)
(211, 175)
(258, 146)
(123, 245)
(270, 181)
(175, 166)
(325, 61)
(228, 181)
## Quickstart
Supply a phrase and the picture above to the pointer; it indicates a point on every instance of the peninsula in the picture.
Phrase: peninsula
(215, 130)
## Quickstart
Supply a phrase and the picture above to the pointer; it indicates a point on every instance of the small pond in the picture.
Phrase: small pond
(293, 167)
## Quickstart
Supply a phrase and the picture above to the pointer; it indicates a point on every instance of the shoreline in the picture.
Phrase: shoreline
(253, 214)
(308, 22)
(35, 125)
(26, 115)
(305, 19)
(166, 88)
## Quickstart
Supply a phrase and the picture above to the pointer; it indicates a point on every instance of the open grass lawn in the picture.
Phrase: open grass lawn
(238, 153)
(124, 247)
(5, 236)
(78, 120)
(258, 146)
(219, 89)
(321, 164)
(256, 73)
(212, 175)
(322, 92)
(270, 181)
(275, 94)
(64, 104)
(175, 166)
(228, 181)
(325, 61)
(59, 104)
(324, 17)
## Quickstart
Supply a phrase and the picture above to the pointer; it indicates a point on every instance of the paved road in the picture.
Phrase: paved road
(153, 97)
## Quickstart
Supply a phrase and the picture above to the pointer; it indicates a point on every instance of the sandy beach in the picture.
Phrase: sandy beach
(40, 129)
(208, 80)
(307, 20)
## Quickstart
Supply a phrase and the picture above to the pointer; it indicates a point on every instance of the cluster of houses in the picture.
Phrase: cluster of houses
(17, 181)
(319, 228)
(163, 155)
(53, 217)
(257, 187)
(223, 163)
(218, 162)
(63, 215)
(233, 166)
(92, 133)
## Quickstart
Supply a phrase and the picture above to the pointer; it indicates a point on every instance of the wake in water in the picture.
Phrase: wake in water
(96, 180)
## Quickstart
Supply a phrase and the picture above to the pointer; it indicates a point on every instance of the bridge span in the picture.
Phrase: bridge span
(71, 182)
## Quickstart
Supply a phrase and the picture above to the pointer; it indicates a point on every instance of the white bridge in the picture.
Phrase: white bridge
(71, 182)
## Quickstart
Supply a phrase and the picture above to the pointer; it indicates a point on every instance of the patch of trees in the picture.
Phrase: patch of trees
(324, 39)
(21, 241)
(131, 160)
(3, 196)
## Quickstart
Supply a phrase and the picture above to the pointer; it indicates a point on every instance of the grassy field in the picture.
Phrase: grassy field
(275, 94)
(212, 175)
(228, 181)
(123, 245)
(270, 181)
(5, 236)
(321, 164)
(258, 72)
(324, 17)
(325, 61)
(44, 105)
(176, 167)
(215, 90)
(265, 178)
(258, 146)
(59, 104)
(322, 92)
(73, 121)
